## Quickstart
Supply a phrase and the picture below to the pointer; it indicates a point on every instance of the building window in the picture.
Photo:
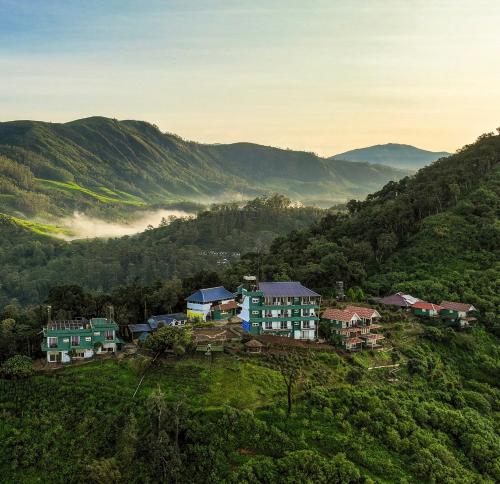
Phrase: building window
(255, 300)
(255, 324)
(52, 342)
(269, 314)
(110, 334)
(305, 324)
(255, 313)
(53, 357)
(75, 340)
(79, 354)
(283, 325)
(268, 325)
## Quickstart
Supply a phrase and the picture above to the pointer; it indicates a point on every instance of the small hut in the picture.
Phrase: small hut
(253, 347)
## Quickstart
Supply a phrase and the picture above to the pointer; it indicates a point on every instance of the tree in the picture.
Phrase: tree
(167, 422)
(17, 367)
(104, 471)
(386, 244)
(169, 338)
(291, 366)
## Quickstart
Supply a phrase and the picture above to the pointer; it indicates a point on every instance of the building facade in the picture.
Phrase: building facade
(280, 308)
(211, 303)
(79, 339)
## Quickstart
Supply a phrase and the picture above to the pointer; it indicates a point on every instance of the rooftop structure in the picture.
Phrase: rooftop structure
(210, 295)
(286, 289)
(457, 306)
(399, 299)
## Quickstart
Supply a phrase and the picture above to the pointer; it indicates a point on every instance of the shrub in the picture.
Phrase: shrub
(17, 367)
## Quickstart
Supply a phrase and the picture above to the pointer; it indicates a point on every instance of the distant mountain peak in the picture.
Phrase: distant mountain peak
(393, 154)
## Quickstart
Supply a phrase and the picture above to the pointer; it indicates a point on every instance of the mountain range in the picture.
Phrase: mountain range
(100, 165)
(393, 154)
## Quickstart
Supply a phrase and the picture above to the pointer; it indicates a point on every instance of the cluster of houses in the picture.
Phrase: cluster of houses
(463, 314)
(286, 309)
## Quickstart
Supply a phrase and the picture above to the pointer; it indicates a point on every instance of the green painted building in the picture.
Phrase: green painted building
(279, 308)
(461, 313)
(79, 339)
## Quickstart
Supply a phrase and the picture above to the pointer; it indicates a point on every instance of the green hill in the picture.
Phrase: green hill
(100, 165)
(393, 154)
(435, 234)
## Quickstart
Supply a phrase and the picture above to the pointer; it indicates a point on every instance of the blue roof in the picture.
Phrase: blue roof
(211, 294)
(139, 328)
(166, 319)
(285, 289)
(143, 336)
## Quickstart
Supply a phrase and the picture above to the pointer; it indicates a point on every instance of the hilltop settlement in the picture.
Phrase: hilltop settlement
(257, 313)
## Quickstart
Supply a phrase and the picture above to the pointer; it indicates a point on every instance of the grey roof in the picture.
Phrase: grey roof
(211, 294)
(285, 289)
(139, 328)
(399, 299)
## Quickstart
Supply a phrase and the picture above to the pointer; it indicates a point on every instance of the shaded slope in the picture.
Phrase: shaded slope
(393, 154)
(134, 160)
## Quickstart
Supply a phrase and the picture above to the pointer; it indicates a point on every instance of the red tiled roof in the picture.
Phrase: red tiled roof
(339, 314)
(362, 312)
(456, 306)
(353, 341)
(226, 306)
(426, 305)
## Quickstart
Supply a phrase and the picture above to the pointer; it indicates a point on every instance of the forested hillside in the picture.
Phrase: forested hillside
(31, 263)
(223, 418)
(104, 166)
(435, 234)
(393, 154)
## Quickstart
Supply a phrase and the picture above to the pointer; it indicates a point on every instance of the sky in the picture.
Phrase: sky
(315, 75)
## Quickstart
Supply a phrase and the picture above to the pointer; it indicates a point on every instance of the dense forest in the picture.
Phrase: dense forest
(30, 263)
(435, 235)
(107, 167)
